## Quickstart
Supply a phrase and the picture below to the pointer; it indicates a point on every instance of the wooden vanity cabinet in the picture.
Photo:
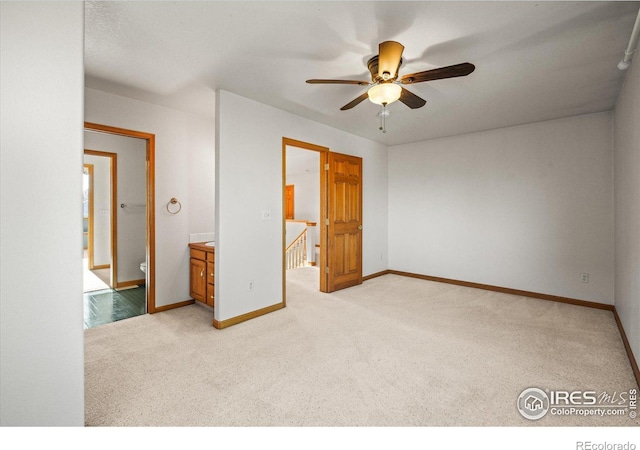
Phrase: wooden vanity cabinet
(202, 273)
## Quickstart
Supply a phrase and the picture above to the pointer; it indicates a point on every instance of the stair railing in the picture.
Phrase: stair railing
(296, 252)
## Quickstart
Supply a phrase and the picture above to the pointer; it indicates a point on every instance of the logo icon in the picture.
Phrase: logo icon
(533, 403)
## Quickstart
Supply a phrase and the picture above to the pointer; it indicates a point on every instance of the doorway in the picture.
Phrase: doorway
(131, 259)
(97, 220)
(339, 202)
(302, 216)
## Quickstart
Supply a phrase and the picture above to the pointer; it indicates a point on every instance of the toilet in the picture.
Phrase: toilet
(143, 266)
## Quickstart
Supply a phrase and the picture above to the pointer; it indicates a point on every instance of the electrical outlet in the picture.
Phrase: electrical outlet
(584, 277)
(250, 285)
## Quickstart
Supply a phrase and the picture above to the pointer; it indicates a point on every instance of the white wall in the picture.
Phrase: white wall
(249, 180)
(306, 193)
(101, 208)
(527, 207)
(41, 319)
(627, 205)
(184, 159)
(306, 179)
(131, 190)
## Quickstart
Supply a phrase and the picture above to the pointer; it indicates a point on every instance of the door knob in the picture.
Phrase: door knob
(359, 227)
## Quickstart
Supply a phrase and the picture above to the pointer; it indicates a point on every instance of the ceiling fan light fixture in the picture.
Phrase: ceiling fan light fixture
(384, 93)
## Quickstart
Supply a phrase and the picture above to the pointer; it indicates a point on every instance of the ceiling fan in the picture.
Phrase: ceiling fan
(385, 86)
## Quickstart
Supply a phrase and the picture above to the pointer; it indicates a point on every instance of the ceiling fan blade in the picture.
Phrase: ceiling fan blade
(316, 81)
(355, 102)
(389, 57)
(458, 70)
(411, 100)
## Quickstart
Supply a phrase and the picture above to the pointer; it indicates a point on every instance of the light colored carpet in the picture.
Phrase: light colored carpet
(394, 351)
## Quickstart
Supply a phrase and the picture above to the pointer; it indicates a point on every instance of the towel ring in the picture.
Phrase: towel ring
(174, 201)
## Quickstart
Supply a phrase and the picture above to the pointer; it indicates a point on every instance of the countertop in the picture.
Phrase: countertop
(202, 246)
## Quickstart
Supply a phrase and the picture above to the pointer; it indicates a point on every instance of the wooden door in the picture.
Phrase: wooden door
(288, 204)
(343, 222)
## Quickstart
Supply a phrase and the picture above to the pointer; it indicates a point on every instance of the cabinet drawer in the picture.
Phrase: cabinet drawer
(210, 272)
(198, 254)
(210, 256)
(210, 295)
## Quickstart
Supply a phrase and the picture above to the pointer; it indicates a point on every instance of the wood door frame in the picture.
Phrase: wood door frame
(323, 151)
(113, 190)
(90, 217)
(150, 209)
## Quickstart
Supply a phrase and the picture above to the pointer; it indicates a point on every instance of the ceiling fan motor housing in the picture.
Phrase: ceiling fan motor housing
(376, 77)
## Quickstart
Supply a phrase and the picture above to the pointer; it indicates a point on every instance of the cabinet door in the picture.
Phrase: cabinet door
(198, 280)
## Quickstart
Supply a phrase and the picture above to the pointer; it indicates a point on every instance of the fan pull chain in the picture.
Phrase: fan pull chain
(383, 116)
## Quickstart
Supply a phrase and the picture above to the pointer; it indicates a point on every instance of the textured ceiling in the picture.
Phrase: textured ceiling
(534, 60)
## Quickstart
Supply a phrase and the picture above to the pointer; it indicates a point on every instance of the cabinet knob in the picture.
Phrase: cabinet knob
(202, 273)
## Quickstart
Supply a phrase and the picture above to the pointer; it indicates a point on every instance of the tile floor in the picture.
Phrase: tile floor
(108, 305)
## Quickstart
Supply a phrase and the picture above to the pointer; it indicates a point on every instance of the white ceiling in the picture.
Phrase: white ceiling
(534, 60)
